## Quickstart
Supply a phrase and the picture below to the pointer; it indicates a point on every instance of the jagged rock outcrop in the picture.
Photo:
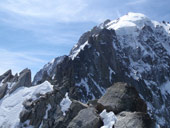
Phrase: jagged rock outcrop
(24, 80)
(9, 83)
(6, 76)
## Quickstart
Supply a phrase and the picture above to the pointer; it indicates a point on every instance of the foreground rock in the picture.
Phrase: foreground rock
(121, 97)
(86, 118)
(134, 120)
(47, 112)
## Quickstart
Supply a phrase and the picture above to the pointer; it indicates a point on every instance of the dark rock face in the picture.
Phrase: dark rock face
(121, 97)
(134, 120)
(25, 78)
(3, 90)
(87, 68)
(86, 118)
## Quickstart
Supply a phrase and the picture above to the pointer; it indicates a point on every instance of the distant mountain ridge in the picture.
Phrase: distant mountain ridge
(132, 49)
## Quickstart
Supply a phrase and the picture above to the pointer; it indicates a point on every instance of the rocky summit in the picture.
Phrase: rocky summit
(117, 75)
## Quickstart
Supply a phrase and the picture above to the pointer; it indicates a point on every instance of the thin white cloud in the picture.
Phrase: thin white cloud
(58, 10)
(135, 2)
(51, 11)
(40, 17)
(17, 61)
(43, 9)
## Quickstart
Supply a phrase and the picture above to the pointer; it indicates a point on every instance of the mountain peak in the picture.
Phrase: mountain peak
(129, 24)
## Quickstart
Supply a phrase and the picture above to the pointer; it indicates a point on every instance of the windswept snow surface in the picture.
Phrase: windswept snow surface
(11, 105)
(109, 119)
(65, 104)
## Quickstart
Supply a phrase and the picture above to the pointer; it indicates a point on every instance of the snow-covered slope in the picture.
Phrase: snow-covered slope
(132, 49)
(11, 105)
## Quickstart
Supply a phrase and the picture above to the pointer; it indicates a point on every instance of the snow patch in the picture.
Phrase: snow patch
(100, 88)
(51, 65)
(26, 123)
(10, 85)
(83, 83)
(11, 105)
(109, 119)
(1, 84)
(76, 52)
(46, 113)
(110, 74)
(98, 54)
(65, 104)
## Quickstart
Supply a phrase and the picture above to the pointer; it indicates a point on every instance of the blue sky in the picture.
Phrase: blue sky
(33, 32)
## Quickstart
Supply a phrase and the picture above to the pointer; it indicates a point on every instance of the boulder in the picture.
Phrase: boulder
(3, 90)
(23, 80)
(86, 118)
(134, 120)
(121, 97)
